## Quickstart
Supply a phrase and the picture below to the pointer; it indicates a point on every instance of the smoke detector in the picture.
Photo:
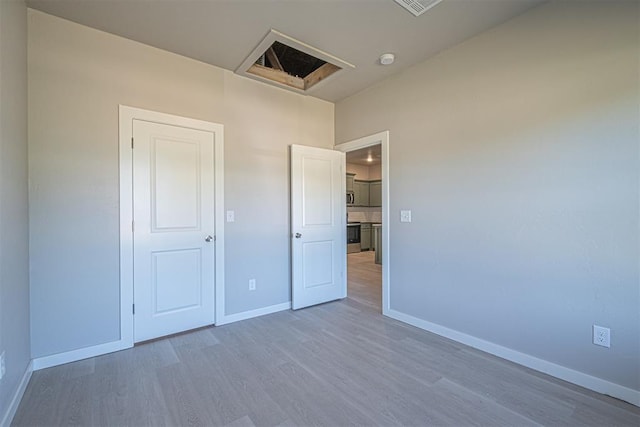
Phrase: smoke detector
(417, 7)
(387, 58)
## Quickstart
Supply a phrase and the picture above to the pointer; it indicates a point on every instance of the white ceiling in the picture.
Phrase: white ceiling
(224, 32)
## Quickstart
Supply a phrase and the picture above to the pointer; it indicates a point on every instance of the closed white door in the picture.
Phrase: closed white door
(318, 226)
(173, 202)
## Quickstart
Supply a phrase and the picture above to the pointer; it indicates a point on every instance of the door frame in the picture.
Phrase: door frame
(381, 138)
(126, 116)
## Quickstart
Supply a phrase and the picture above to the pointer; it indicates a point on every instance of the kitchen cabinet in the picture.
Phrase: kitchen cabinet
(375, 193)
(350, 178)
(365, 237)
(361, 192)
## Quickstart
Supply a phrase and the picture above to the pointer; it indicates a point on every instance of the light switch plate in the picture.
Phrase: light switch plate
(231, 216)
(405, 216)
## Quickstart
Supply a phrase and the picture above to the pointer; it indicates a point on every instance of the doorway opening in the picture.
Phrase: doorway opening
(367, 260)
(364, 221)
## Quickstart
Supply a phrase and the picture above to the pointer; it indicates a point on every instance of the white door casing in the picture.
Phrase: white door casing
(318, 226)
(173, 201)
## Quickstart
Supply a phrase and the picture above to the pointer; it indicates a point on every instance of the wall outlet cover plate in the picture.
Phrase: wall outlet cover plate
(601, 336)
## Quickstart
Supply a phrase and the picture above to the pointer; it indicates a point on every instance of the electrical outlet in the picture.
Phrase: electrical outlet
(3, 368)
(601, 336)
(405, 216)
(231, 216)
(252, 284)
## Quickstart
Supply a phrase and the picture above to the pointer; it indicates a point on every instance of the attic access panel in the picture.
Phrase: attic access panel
(283, 61)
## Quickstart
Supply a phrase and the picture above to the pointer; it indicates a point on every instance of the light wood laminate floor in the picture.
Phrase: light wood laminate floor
(336, 364)
(364, 278)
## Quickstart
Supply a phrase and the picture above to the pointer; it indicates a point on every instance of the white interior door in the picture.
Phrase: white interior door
(318, 226)
(173, 203)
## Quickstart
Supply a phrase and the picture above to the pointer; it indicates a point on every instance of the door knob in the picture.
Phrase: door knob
(298, 235)
(208, 239)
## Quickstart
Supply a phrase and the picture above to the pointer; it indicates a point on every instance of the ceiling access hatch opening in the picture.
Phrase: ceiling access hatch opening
(285, 62)
(294, 67)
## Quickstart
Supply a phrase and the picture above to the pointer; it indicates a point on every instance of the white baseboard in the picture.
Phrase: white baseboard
(253, 313)
(110, 347)
(79, 354)
(17, 397)
(567, 374)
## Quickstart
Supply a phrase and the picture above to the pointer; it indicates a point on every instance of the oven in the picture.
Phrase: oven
(353, 237)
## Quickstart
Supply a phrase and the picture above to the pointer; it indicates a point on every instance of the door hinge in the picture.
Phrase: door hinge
(131, 142)
(133, 226)
(133, 308)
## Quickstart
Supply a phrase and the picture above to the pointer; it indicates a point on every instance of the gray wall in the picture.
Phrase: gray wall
(517, 152)
(14, 270)
(77, 78)
(260, 124)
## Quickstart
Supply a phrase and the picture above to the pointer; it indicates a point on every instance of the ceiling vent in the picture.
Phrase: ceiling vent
(283, 61)
(417, 7)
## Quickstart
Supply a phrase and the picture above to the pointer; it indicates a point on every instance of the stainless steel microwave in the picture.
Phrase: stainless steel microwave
(351, 198)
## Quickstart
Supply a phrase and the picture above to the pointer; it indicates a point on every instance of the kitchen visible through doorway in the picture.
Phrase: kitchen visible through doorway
(364, 225)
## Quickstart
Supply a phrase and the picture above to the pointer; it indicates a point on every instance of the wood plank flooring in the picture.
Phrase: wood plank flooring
(336, 364)
(365, 279)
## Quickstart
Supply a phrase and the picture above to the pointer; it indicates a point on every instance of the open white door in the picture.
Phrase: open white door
(318, 226)
(173, 194)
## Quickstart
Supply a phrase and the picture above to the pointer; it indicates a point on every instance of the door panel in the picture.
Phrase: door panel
(173, 204)
(317, 204)
(172, 267)
(318, 225)
(317, 264)
(175, 184)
